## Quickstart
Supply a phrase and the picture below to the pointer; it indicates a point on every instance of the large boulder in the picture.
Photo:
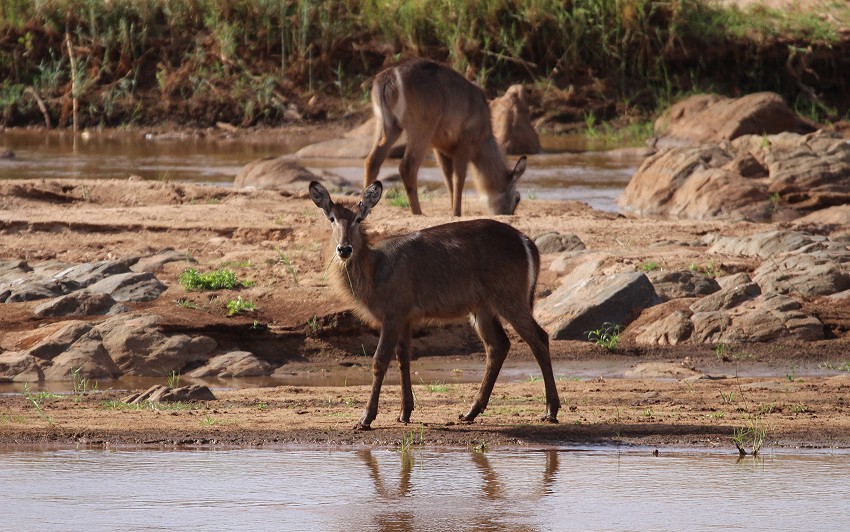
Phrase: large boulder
(681, 283)
(87, 357)
(233, 364)
(19, 367)
(138, 347)
(707, 118)
(132, 286)
(89, 273)
(79, 303)
(578, 307)
(755, 177)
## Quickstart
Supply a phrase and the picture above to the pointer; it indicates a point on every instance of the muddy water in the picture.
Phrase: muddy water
(424, 489)
(571, 168)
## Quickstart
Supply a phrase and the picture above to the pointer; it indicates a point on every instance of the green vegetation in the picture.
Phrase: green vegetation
(752, 436)
(712, 269)
(649, 266)
(607, 336)
(36, 399)
(192, 280)
(82, 385)
(397, 198)
(290, 267)
(173, 379)
(259, 62)
(239, 305)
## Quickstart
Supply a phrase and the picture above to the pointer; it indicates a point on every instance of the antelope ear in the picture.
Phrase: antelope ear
(519, 169)
(370, 198)
(321, 198)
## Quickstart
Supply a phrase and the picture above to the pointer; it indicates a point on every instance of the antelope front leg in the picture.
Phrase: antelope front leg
(380, 362)
(403, 355)
(496, 344)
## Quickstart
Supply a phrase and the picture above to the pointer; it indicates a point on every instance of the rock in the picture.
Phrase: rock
(80, 303)
(709, 326)
(138, 347)
(726, 299)
(772, 243)
(19, 367)
(275, 173)
(13, 269)
(60, 341)
(161, 393)
(672, 330)
(154, 263)
(33, 288)
(734, 280)
(804, 174)
(88, 274)
(705, 118)
(577, 307)
(132, 286)
(805, 274)
(234, 364)
(683, 283)
(772, 317)
(511, 121)
(554, 242)
(86, 355)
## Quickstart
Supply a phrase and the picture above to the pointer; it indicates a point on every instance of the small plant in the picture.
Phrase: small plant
(718, 415)
(752, 436)
(239, 305)
(721, 351)
(173, 379)
(35, 399)
(649, 266)
(481, 447)
(82, 385)
(535, 378)
(728, 398)
(397, 198)
(209, 421)
(408, 440)
(313, 325)
(185, 303)
(194, 281)
(791, 375)
(288, 266)
(438, 387)
(712, 269)
(841, 366)
(608, 336)
(799, 408)
(774, 201)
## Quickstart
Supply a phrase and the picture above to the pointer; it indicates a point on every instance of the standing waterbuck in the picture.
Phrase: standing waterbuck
(440, 109)
(480, 268)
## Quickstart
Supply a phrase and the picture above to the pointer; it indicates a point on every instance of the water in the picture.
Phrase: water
(569, 169)
(425, 489)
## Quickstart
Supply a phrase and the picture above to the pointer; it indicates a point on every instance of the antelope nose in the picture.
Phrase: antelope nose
(344, 251)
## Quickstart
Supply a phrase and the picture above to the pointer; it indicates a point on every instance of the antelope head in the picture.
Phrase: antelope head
(506, 202)
(347, 232)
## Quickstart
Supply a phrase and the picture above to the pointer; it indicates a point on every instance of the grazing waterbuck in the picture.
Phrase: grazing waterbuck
(440, 109)
(483, 269)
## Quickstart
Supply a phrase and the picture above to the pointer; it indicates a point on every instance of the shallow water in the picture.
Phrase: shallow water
(424, 489)
(570, 169)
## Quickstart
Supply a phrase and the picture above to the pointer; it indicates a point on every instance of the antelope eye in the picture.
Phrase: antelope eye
(332, 218)
(358, 220)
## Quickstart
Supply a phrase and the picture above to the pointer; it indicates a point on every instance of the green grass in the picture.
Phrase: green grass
(239, 305)
(649, 266)
(222, 279)
(173, 379)
(438, 387)
(114, 404)
(607, 336)
(396, 197)
(82, 385)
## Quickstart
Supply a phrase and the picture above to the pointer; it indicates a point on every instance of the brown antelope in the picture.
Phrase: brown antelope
(480, 268)
(441, 109)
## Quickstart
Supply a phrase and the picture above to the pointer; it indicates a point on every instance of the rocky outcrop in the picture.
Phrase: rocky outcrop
(554, 242)
(234, 364)
(711, 118)
(163, 394)
(682, 283)
(754, 177)
(19, 367)
(586, 304)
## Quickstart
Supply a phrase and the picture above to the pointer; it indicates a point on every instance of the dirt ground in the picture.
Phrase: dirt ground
(277, 241)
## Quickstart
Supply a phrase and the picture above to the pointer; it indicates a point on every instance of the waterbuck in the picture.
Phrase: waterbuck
(440, 109)
(479, 268)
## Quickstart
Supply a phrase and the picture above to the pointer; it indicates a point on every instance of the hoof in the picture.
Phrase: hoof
(402, 419)
(549, 419)
(463, 418)
(362, 427)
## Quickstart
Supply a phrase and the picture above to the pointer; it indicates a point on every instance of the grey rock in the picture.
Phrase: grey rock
(90, 273)
(154, 263)
(87, 356)
(726, 299)
(161, 393)
(554, 242)
(233, 364)
(80, 303)
(60, 341)
(805, 274)
(681, 283)
(132, 286)
(19, 367)
(671, 330)
(575, 308)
